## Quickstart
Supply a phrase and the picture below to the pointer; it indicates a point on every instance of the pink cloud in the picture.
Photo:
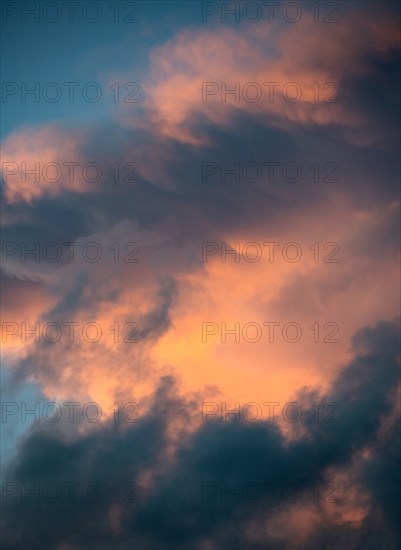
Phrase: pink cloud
(37, 162)
(304, 54)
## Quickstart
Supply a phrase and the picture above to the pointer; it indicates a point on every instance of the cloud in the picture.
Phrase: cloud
(187, 81)
(218, 454)
(162, 219)
(40, 162)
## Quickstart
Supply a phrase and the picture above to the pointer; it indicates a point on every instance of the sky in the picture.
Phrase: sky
(200, 275)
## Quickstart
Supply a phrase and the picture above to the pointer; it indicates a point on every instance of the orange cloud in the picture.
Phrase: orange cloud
(304, 292)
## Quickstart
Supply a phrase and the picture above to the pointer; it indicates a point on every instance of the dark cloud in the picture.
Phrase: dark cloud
(170, 513)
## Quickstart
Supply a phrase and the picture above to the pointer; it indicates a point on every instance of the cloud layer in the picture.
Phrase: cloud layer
(135, 284)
